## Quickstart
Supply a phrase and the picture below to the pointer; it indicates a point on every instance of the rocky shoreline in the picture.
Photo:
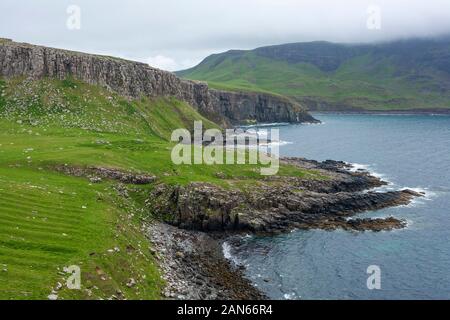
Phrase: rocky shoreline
(189, 224)
(280, 203)
(194, 267)
(202, 217)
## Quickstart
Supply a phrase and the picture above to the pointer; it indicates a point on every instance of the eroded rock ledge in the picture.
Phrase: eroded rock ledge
(96, 174)
(280, 204)
(134, 80)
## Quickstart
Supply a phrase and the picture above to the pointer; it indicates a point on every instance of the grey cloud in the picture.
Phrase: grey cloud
(181, 33)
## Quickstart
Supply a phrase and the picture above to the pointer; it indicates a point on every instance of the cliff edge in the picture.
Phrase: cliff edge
(135, 79)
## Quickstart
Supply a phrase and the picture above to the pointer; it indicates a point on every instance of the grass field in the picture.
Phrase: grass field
(50, 220)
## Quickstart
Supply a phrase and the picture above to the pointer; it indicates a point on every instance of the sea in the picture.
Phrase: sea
(408, 151)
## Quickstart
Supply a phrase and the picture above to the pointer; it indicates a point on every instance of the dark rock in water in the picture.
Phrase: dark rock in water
(281, 203)
(135, 79)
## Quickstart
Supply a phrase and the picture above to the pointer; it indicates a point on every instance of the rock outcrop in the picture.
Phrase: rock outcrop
(134, 80)
(96, 174)
(282, 205)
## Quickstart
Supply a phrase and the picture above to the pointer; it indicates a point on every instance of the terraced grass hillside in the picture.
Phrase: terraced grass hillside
(402, 75)
(50, 220)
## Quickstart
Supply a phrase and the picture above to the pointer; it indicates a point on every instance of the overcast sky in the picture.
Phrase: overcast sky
(177, 34)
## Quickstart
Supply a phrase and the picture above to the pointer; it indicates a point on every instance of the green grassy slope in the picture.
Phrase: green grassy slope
(412, 74)
(49, 220)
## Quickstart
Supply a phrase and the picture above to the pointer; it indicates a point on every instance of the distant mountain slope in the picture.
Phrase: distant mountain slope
(402, 75)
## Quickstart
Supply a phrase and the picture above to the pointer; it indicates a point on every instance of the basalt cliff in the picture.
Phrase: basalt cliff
(135, 79)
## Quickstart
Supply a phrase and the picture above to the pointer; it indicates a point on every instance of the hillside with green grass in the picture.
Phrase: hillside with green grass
(403, 75)
(50, 220)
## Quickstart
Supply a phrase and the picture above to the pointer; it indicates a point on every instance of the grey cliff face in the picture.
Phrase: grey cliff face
(134, 80)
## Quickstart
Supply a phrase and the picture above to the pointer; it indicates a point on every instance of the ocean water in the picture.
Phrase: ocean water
(407, 150)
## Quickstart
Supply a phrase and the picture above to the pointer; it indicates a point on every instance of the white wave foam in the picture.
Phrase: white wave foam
(409, 223)
(260, 134)
(255, 133)
(312, 123)
(428, 194)
(226, 249)
(276, 143)
(265, 147)
(273, 124)
(391, 186)
(290, 296)
(358, 167)
(419, 201)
